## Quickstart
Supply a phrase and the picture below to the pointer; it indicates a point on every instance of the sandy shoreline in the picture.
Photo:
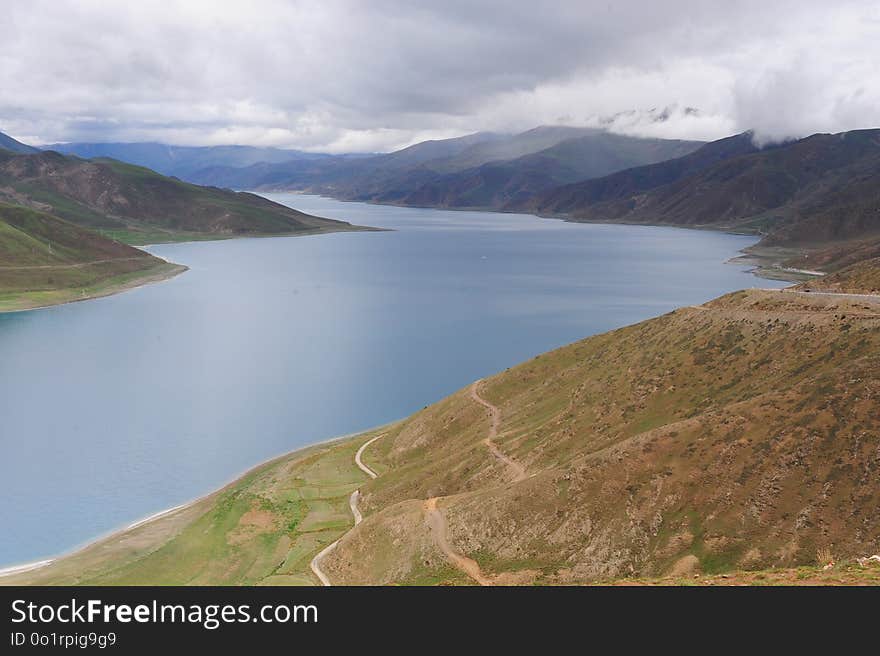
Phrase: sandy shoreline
(114, 533)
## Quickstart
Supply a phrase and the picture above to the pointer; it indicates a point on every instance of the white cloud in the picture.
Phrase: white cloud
(346, 75)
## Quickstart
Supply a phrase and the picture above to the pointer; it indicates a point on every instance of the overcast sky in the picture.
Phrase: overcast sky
(374, 75)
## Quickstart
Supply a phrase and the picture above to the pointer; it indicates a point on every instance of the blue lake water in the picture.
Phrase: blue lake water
(117, 408)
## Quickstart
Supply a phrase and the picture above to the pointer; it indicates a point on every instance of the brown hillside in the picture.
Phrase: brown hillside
(817, 193)
(742, 434)
(860, 278)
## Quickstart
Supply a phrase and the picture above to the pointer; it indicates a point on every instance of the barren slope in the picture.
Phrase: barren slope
(742, 434)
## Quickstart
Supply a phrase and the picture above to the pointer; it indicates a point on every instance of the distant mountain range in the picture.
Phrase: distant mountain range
(814, 192)
(498, 182)
(182, 161)
(483, 170)
(10, 144)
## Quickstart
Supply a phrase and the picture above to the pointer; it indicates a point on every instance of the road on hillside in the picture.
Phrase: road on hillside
(433, 516)
(855, 297)
(437, 525)
(353, 500)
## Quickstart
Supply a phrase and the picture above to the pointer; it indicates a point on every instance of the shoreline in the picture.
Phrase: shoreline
(175, 268)
(311, 232)
(764, 265)
(173, 271)
(23, 568)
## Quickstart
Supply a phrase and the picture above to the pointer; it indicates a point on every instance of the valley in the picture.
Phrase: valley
(720, 443)
(811, 200)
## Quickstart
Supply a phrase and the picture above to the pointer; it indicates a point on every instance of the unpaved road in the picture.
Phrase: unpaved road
(518, 471)
(315, 565)
(434, 517)
(437, 524)
(78, 265)
(353, 504)
(360, 463)
(875, 298)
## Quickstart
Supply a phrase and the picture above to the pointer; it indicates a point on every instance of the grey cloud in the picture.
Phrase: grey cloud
(337, 75)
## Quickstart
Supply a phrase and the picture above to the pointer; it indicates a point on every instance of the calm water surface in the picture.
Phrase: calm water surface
(116, 408)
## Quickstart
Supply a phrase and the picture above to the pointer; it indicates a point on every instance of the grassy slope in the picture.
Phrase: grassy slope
(45, 260)
(138, 205)
(262, 529)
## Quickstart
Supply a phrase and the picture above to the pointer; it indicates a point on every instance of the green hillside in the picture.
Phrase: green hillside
(137, 205)
(45, 260)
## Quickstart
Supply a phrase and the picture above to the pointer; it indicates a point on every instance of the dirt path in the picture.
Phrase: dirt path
(875, 298)
(818, 292)
(437, 524)
(78, 265)
(353, 500)
(518, 471)
(434, 517)
(353, 504)
(360, 452)
(316, 563)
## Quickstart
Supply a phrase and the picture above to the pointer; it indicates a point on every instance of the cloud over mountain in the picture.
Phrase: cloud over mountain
(341, 75)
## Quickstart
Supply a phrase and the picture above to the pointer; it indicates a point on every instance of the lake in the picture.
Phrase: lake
(117, 408)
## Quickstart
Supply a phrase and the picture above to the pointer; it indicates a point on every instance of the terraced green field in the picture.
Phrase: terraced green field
(263, 529)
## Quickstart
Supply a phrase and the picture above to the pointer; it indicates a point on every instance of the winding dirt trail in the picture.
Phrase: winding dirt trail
(437, 524)
(77, 265)
(360, 463)
(353, 500)
(518, 471)
(315, 565)
(871, 298)
(434, 517)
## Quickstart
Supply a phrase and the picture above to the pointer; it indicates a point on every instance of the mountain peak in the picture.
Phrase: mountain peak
(8, 143)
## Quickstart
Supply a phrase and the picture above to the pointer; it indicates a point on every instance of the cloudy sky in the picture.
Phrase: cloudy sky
(337, 75)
